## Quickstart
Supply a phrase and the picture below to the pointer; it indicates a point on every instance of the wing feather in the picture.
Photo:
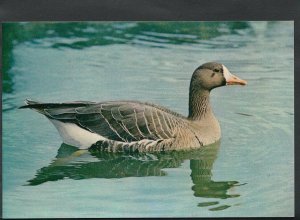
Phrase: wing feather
(124, 121)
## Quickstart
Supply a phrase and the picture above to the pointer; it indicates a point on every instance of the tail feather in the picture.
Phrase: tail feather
(39, 106)
(29, 103)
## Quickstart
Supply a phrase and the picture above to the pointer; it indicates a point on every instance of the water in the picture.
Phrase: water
(249, 173)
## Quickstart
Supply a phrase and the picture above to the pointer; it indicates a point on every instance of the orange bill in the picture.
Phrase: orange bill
(234, 80)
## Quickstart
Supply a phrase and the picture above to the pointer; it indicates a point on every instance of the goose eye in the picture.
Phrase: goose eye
(216, 70)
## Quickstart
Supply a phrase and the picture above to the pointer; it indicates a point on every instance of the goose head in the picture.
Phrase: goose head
(212, 75)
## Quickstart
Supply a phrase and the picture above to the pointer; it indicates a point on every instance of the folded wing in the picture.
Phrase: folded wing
(124, 121)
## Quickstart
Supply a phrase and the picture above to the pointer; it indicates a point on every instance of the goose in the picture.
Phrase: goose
(120, 126)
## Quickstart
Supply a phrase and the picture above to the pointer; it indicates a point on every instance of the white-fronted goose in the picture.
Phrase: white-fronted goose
(137, 126)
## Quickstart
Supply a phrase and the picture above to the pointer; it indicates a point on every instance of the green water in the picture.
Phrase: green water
(249, 173)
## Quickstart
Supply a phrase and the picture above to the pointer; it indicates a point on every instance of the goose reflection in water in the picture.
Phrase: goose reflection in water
(84, 164)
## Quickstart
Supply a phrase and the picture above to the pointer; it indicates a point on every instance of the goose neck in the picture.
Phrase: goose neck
(199, 105)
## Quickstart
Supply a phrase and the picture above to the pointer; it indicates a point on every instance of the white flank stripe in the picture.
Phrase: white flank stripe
(128, 132)
(155, 126)
(160, 123)
(110, 125)
(136, 124)
(168, 129)
(147, 123)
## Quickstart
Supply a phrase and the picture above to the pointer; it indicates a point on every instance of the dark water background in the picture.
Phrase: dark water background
(249, 173)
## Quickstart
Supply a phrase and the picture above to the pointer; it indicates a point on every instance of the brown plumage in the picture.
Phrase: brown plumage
(137, 126)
